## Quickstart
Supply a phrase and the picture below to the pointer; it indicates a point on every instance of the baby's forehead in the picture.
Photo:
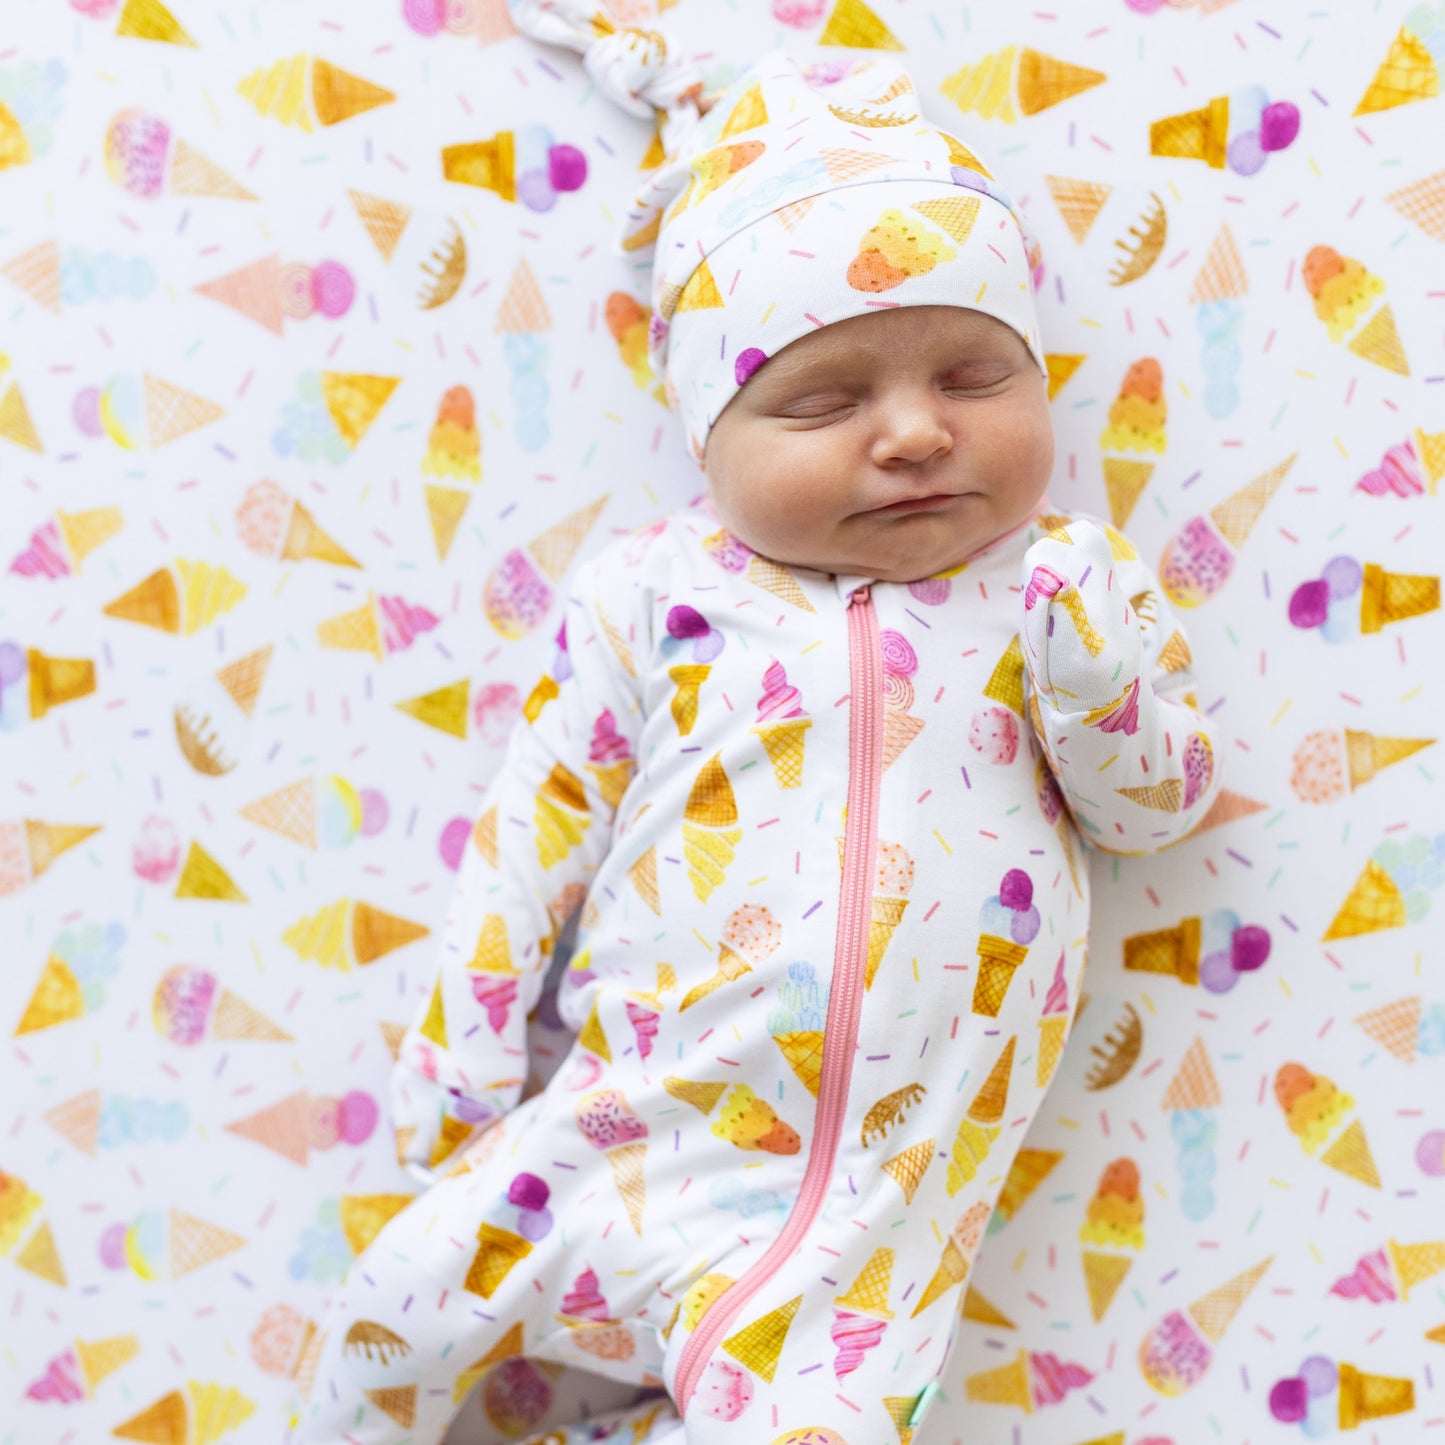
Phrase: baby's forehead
(883, 339)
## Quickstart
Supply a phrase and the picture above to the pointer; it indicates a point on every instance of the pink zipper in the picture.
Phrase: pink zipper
(845, 1001)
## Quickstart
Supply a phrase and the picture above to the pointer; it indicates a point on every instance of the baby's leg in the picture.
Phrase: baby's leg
(438, 1298)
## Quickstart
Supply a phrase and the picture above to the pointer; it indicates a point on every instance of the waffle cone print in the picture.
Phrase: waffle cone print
(474, 866)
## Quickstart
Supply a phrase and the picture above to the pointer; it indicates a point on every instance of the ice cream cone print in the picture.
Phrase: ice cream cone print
(643, 874)
(306, 540)
(1199, 559)
(155, 602)
(490, 164)
(561, 815)
(1028, 1171)
(202, 877)
(758, 1345)
(444, 708)
(748, 1122)
(354, 400)
(1423, 202)
(908, 1168)
(1214, 1312)
(1371, 1397)
(1103, 1276)
(899, 729)
(1222, 277)
(354, 631)
(236, 1019)
(345, 933)
(1060, 368)
(305, 91)
(59, 546)
(445, 507)
(384, 220)
(1407, 73)
(803, 1049)
(19, 1204)
(998, 960)
(1026, 78)
(165, 1422)
(195, 1243)
(1350, 1154)
(498, 1252)
(78, 1121)
(687, 678)
(627, 1175)
(861, 1315)
(285, 1127)
(1194, 134)
(857, 26)
(952, 1268)
(1006, 682)
(1373, 904)
(1079, 203)
(37, 273)
(16, 424)
(1395, 596)
(99, 1359)
(1003, 1385)
(1413, 1263)
(784, 741)
(1194, 1085)
(29, 847)
(396, 1402)
(980, 1126)
(1173, 951)
(1395, 1026)
(57, 999)
(709, 831)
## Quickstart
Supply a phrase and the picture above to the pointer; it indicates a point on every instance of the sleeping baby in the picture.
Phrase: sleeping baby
(820, 761)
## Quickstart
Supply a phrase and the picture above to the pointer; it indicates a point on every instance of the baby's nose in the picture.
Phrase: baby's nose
(912, 428)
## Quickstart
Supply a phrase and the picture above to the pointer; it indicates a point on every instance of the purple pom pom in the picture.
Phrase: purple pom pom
(1016, 890)
(528, 1192)
(1278, 125)
(687, 622)
(1289, 1401)
(567, 167)
(748, 362)
(1343, 575)
(1248, 948)
(1310, 604)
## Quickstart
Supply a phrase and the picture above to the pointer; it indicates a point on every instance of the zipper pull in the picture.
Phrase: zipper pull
(858, 594)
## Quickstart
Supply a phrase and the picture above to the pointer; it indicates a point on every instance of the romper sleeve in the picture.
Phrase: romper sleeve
(1110, 692)
(544, 827)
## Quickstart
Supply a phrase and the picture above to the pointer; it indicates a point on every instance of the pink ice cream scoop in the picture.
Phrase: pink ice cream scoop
(607, 1120)
(515, 596)
(1370, 1280)
(899, 657)
(584, 1300)
(994, 734)
(1196, 563)
(45, 556)
(496, 994)
(135, 152)
(1198, 761)
(402, 623)
(1173, 1356)
(854, 1335)
(728, 551)
(182, 1003)
(780, 699)
(608, 745)
(644, 1025)
(1056, 1001)
(1053, 1378)
(1044, 582)
(1397, 475)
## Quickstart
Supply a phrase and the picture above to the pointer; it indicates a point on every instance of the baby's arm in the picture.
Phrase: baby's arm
(1110, 696)
(544, 828)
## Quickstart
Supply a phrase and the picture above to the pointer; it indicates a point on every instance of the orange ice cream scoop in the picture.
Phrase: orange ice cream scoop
(1121, 1178)
(1144, 379)
(1291, 1082)
(457, 407)
(1321, 265)
(622, 313)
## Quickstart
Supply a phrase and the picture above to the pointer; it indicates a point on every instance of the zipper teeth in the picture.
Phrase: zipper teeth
(840, 1037)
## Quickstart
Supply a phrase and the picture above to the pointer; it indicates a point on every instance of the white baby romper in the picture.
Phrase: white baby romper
(835, 921)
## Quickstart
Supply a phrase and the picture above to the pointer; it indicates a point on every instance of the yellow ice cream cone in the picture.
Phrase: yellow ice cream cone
(305, 539)
(1394, 596)
(1194, 134)
(498, 1252)
(1373, 904)
(488, 164)
(784, 741)
(952, 1268)
(1371, 1397)
(355, 631)
(1407, 73)
(1004, 1385)
(1172, 951)
(998, 959)
(1053, 1029)
(688, 679)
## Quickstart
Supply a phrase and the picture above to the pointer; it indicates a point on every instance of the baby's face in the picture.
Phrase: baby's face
(893, 445)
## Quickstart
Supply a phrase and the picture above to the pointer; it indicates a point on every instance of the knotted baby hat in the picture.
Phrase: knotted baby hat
(808, 193)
